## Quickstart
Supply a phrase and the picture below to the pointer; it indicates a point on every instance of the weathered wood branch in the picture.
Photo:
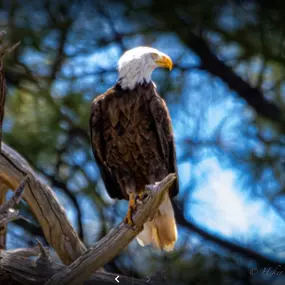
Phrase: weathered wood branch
(43, 203)
(16, 268)
(115, 241)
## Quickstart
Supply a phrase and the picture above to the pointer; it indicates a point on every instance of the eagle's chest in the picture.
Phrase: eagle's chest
(129, 132)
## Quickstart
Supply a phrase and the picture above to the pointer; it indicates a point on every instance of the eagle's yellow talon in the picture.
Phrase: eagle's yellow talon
(141, 195)
(131, 210)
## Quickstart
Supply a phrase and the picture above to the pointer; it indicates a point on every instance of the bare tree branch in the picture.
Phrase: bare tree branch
(51, 216)
(14, 269)
(17, 269)
(24, 252)
(115, 241)
(44, 256)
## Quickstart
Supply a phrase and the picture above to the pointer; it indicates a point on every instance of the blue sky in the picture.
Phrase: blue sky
(220, 202)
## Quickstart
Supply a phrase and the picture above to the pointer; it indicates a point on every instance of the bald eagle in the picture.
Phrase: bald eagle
(132, 141)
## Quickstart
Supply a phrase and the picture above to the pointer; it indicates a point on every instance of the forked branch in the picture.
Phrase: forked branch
(115, 241)
(43, 203)
(59, 232)
(63, 237)
(16, 268)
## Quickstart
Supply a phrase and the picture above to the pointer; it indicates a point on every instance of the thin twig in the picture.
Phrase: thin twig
(16, 268)
(16, 198)
(24, 252)
(44, 256)
(7, 211)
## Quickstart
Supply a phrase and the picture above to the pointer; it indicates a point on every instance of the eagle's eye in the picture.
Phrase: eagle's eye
(154, 56)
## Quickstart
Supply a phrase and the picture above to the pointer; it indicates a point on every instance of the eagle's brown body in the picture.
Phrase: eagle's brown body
(132, 141)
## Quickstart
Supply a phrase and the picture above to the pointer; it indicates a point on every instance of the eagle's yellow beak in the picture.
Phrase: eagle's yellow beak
(164, 61)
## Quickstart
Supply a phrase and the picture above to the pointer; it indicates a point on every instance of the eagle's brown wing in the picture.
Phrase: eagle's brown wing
(97, 142)
(165, 134)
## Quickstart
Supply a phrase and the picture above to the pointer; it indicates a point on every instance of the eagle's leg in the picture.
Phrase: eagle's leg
(140, 197)
(132, 208)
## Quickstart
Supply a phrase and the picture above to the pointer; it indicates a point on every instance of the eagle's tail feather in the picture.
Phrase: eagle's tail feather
(161, 232)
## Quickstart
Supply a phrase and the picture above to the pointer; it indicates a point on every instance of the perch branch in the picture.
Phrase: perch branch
(115, 241)
(17, 269)
(50, 215)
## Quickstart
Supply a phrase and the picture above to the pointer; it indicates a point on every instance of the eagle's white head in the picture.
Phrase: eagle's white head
(136, 65)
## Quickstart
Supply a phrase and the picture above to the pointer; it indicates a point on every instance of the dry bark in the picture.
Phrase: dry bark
(17, 269)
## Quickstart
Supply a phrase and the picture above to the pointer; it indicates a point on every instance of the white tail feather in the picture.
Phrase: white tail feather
(161, 232)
